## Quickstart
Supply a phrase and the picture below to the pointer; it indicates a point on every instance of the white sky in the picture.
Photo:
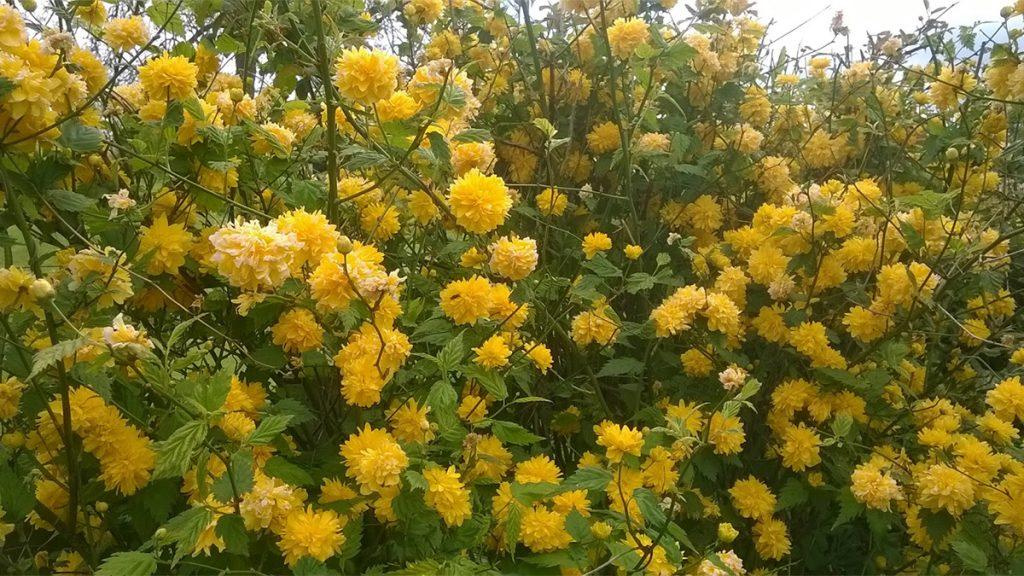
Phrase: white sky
(863, 16)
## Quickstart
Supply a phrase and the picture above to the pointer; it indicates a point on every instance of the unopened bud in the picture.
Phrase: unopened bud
(952, 154)
(13, 440)
(1005, 11)
(29, 5)
(102, 506)
(237, 95)
(41, 290)
(727, 533)
(160, 533)
(344, 245)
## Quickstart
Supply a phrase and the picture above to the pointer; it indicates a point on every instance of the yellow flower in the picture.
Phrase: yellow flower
(409, 423)
(604, 137)
(10, 396)
(397, 107)
(252, 256)
(272, 140)
(297, 331)
(365, 76)
(543, 530)
(374, 460)
(467, 301)
(14, 289)
(490, 458)
(479, 202)
(726, 434)
(317, 236)
(632, 251)
(311, 533)
(513, 257)
(596, 242)
(696, 362)
(873, 487)
(12, 27)
(618, 440)
(169, 77)
(594, 326)
(752, 498)
(493, 353)
(165, 245)
(469, 155)
(423, 11)
(538, 469)
(625, 35)
(447, 495)
(123, 34)
(941, 487)
(551, 202)
(800, 448)
(379, 221)
(540, 355)
(771, 539)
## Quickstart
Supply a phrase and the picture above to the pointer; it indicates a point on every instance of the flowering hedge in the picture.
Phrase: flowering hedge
(464, 287)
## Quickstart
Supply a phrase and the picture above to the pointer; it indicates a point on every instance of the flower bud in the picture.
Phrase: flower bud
(237, 95)
(344, 245)
(41, 290)
(726, 532)
(952, 154)
(102, 506)
(13, 440)
(1005, 11)
(29, 5)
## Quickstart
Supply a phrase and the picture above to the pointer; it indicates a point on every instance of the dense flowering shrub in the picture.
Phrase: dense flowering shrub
(472, 287)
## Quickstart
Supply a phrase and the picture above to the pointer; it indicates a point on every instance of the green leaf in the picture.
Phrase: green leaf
(590, 478)
(473, 135)
(639, 281)
(416, 480)
(600, 265)
(49, 356)
(513, 433)
(184, 529)
(439, 148)
(194, 108)
(78, 137)
(16, 498)
(175, 454)
(849, 508)
(792, 494)
(750, 388)
(450, 357)
(69, 201)
(269, 428)
(972, 557)
(442, 400)
(128, 564)
(937, 524)
(210, 393)
(231, 528)
(491, 381)
(280, 468)
(620, 367)
(237, 480)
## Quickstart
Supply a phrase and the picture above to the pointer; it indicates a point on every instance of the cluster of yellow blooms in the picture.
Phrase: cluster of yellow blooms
(599, 293)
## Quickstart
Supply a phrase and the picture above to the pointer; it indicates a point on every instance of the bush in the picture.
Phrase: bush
(466, 288)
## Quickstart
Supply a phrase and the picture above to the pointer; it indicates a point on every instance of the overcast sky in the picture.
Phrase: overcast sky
(863, 16)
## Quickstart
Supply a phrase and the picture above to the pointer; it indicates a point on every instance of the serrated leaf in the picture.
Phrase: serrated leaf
(69, 201)
(231, 529)
(184, 529)
(450, 357)
(269, 428)
(473, 135)
(78, 137)
(601, 266)
(128, 564)
(972, 557)
(491, 381)
(620, 367)
(792, 494)
(237, 480)
(175, 453)
(210, 393)
(590, 478)
(47, 357)
(282, 469)
(514, 433)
